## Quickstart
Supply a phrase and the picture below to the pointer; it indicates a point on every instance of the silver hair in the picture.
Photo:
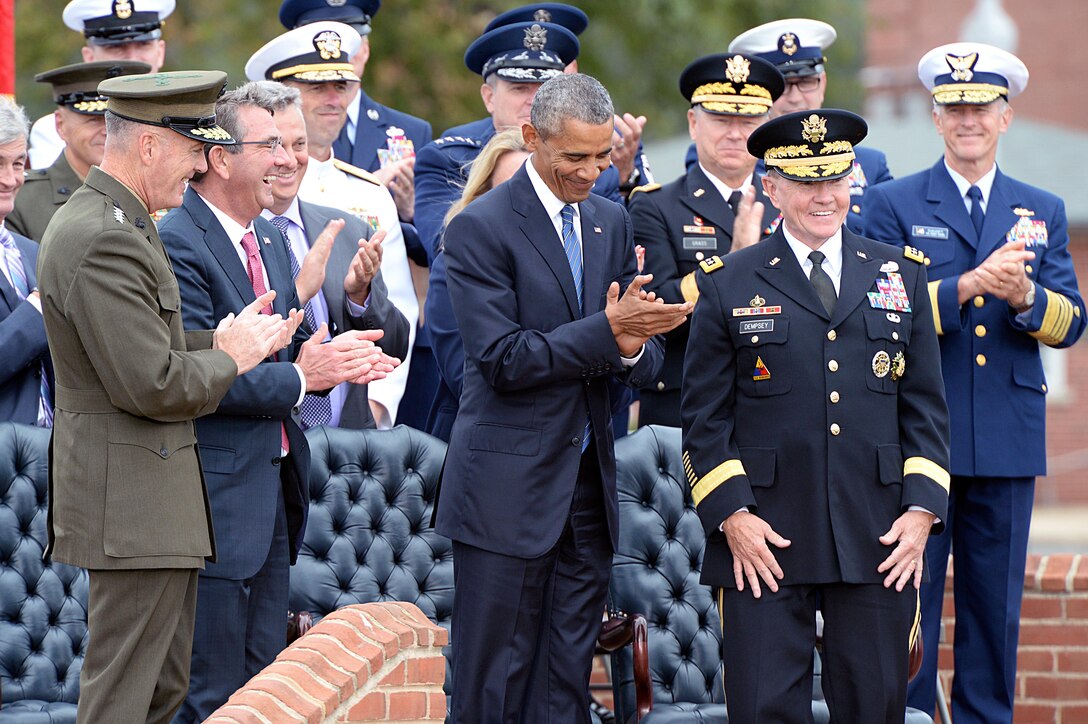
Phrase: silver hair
(570, 96)
(279, 96)
(13, 121)
(255, 93)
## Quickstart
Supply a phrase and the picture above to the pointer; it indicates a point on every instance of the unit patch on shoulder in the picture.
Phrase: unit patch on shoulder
(914, 255)
(356, 171)
(647, 188)
(712, 264)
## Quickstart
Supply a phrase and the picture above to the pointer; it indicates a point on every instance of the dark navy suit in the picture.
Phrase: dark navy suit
(870, 169)
(371, 125)
(519, 498)
(786, 410)
(681, 224)
(23, 346)
(996, 392)
(258, 498)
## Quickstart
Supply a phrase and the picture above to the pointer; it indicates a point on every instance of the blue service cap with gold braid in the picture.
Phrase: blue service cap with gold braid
(316, 53)
(795, 45)
(113, 22)
(809, 145)
(973, 73)
(183, 101)
(732, 84)
(76, 86)
(356, 13)
(568, 16)
(523, 52)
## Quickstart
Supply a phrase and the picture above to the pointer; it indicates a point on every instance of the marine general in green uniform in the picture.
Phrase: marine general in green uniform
(127, 500)
(81, 124)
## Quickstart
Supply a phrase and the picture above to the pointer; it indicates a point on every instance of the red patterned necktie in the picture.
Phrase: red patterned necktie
(256, 278)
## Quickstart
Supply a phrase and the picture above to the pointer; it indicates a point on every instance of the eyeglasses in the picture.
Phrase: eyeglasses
(269, 145)
(806, 84)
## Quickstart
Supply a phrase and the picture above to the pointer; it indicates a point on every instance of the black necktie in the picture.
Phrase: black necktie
(977, 217)
(734, 201)
(821, 282)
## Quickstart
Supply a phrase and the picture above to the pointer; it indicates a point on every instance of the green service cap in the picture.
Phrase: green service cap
(76, 86)
(181, 100)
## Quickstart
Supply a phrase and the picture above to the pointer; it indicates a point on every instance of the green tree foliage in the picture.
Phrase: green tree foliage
(636, 48)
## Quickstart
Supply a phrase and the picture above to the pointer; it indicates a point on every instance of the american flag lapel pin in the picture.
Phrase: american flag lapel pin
(266, 240)
(597, 229)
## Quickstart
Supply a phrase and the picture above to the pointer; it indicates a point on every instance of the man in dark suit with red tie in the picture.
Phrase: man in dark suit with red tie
(529, 490)
(253, 452)
(25, 369)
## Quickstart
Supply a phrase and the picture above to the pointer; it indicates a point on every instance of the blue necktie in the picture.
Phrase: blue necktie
(14, 262)
(977, 217)
(315, 410)
(573, 249)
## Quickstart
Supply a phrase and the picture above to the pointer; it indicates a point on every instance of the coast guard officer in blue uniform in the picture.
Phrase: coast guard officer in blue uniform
(372, 130)
(1002, 282)
(796, 46)
(815, 435)
(691, 219)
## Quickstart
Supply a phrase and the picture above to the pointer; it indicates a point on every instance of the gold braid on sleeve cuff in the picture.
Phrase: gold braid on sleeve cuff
(1057, 319)
(933, 289)
(928, 468)
(710, 482)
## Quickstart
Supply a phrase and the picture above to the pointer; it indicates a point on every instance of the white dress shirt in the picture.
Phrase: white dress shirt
(985, 184)
(831, 249)
(723, 187)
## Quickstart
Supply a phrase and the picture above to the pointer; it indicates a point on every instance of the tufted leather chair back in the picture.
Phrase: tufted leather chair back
(43, 605)
(368, 537)
(655, 572)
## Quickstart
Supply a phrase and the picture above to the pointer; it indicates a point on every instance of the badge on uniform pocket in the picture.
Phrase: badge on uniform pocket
(761, 372)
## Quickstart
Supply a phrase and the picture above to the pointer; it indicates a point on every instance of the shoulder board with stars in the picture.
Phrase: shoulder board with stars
(712, 264)
(356, 171)
(646, 188)
(915, 255)
(459, 140)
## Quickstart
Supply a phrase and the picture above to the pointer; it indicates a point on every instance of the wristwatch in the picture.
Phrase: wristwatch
(1029, 300)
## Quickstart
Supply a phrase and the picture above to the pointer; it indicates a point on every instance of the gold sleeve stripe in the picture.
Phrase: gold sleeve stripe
(1056, 320)
(933, 287)
(928, 468)
(688, 470)
(710, 482)
(916, 627)
(689, 289)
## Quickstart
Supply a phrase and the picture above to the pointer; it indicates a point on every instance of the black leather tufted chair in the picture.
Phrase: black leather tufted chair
(368, 537)
(655, 572)
(43, 605)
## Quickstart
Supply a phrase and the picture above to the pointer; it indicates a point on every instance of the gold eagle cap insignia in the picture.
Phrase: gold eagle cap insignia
(814, 128)
(788, 43)
(737, 68)
(536, 37)
(122, 9)
(327, 44)
(542, 16)
(962, 66)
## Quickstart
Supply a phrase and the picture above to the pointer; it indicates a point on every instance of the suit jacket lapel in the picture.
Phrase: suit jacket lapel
(221, 247)
(781, 270)
(369, 134)
(7, 291)
(1000, 216)
(857, 277)
(950, 206)
(592, 257)
(277, 268)
(540, 232)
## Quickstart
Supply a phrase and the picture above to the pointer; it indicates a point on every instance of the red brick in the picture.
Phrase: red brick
(1031, 571)
(948, 606)
(944, 658)
(1033, 713)
(436, 706)
(323, 668)
(1074, 713)
(334, 653)
(370, 708)
(396, 676)
(410, 614)
(1070, 662)
(330, 688)
(1076, 607)
(1057, 571)
(290, 697)
(269, 705)
(1055, 688)
(1037, 605)
(356, 638)
(406, 635)
(407, 705)
(429, 670)
(1046, 634)
(229, 714)
(1080, 576)
(1035, 660)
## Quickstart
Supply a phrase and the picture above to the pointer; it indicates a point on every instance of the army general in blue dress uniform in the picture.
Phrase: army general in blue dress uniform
(691, 219)
(815, 434)
(1002, 283)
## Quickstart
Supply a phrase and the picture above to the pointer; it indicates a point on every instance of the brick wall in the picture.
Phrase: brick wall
(369, 662)
(1052, 673)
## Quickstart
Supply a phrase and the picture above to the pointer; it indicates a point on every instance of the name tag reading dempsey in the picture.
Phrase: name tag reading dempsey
(929, 232)
(757, 325)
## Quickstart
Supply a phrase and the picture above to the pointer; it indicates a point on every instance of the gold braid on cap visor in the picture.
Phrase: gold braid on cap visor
(949, 93)
(750, 100)
(317, 73)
